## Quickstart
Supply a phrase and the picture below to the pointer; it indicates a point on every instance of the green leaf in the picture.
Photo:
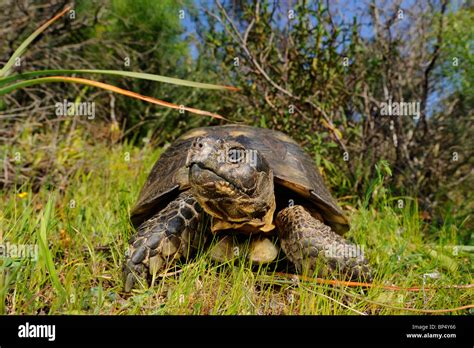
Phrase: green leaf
(49, 79)
(45, 253)
(20, 50)
(137, 75)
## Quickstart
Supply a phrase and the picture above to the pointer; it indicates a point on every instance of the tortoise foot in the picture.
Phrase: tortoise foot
(259, 251)
(262, 250)
(162, 239)
(225, 249)
(314, 248)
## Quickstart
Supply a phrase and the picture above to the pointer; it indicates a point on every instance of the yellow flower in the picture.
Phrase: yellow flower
(23, 194)
(114, 127)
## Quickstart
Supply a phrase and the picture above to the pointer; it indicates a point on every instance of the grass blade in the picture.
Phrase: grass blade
(44, 249)
(105, 86)
(137, 75)
(19, 51)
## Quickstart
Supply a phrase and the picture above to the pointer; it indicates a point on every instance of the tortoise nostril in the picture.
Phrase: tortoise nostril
(198, 143)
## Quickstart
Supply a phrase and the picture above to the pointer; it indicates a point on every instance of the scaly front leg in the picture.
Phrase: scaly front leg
(311, 245)
(163, 239)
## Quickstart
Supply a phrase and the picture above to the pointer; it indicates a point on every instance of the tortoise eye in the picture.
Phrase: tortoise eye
(236, 155)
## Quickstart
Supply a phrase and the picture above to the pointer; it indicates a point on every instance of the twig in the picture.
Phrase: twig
(242, 42)
(362, 298)
(169, 274)
(369, 285)
(428, 311)
(247, 31)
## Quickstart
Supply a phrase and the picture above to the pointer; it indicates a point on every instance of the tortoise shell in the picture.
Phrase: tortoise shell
(293, 169)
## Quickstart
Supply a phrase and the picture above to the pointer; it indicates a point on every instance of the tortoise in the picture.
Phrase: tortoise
(251, 182)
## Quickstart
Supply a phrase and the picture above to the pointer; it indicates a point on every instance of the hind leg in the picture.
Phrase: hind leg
(163, 239)
(311, 245)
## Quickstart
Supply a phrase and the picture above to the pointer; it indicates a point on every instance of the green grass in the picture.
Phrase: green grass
(81, 226)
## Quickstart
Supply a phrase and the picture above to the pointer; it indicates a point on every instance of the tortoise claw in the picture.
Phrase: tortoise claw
(131, 272)
(129, 282)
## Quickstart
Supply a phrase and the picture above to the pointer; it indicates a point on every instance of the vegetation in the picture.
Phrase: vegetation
(84, 226)
(68, 182)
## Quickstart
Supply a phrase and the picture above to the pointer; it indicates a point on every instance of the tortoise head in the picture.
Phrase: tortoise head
(232, 183)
